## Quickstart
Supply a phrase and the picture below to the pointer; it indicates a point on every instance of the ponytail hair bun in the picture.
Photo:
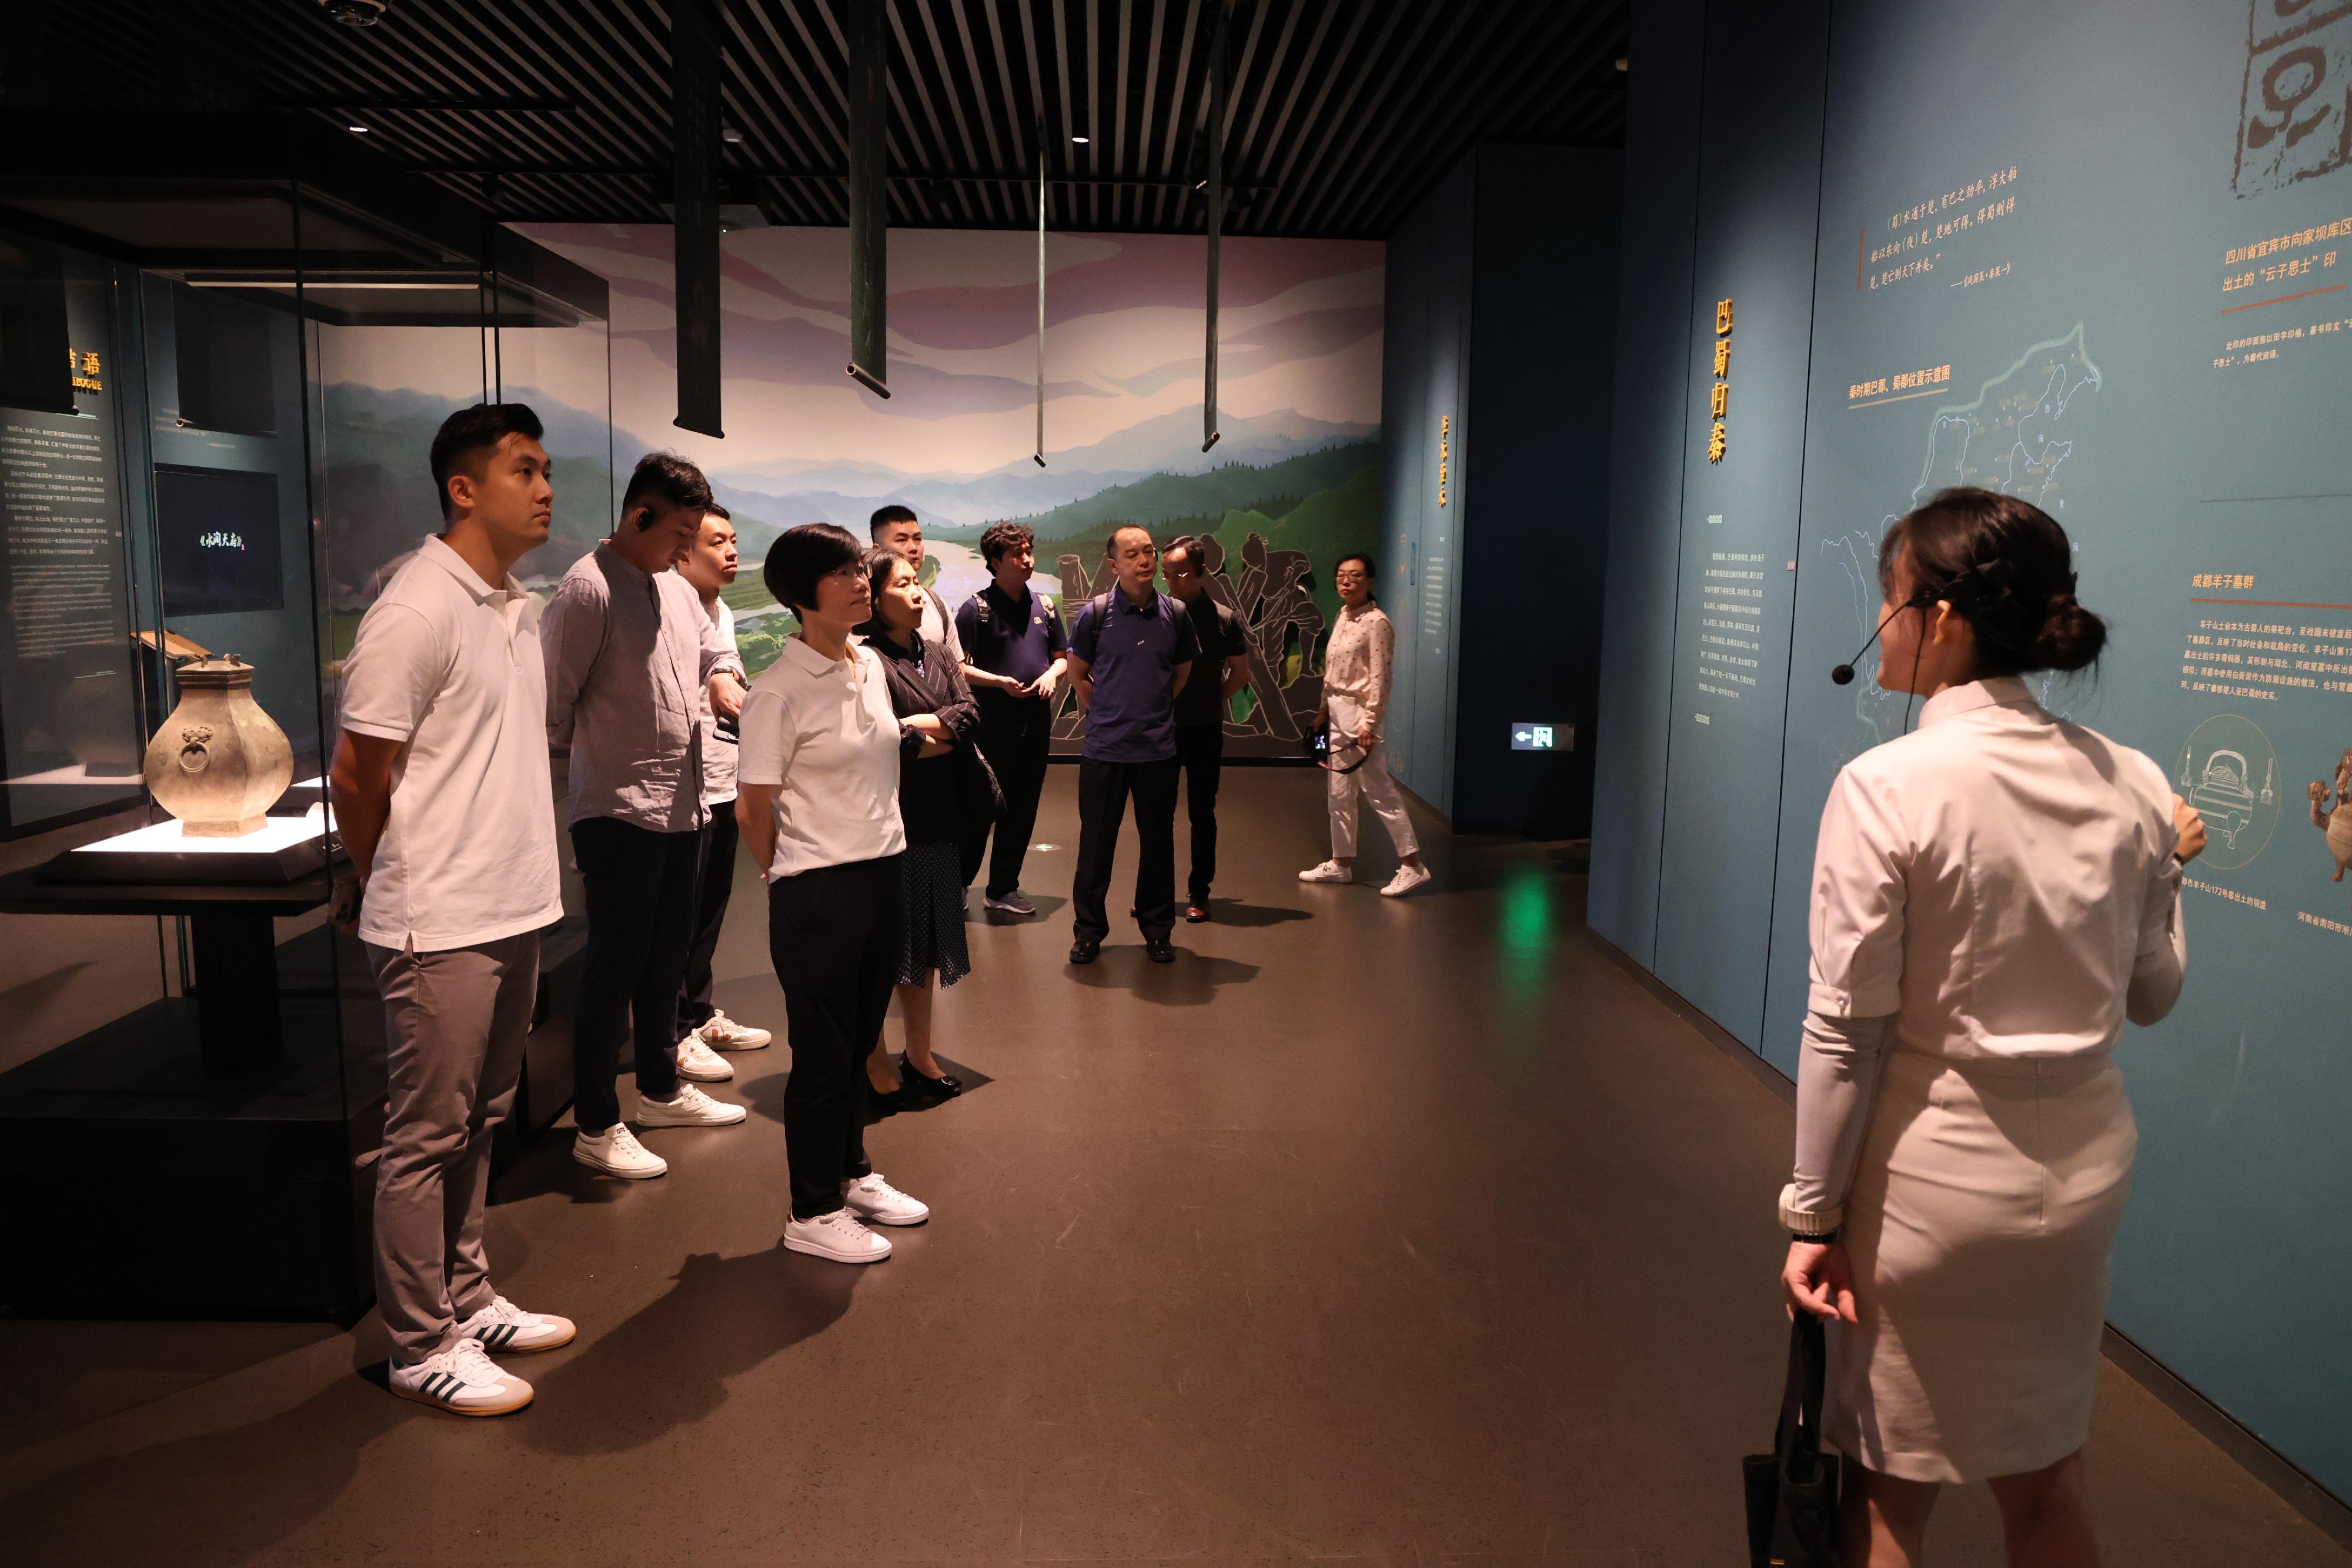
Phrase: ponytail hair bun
(2006, 566)
(2071, 637)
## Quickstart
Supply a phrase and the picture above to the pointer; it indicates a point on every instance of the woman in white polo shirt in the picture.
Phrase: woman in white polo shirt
(817, 778)
(1993, 896)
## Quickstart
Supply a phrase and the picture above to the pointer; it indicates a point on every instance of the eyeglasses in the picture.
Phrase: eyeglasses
(1349, 577)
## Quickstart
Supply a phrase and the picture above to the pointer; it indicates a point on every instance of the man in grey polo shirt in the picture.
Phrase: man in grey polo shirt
(441, 794)
(1130, 650)
(630, 655)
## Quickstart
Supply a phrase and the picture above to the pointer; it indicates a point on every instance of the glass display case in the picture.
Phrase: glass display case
(225, 345)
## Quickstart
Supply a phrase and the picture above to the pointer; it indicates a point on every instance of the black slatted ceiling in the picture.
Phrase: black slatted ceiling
(1344, 112)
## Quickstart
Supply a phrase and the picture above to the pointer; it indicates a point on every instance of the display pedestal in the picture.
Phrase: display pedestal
(282, 850)
(210, 1137)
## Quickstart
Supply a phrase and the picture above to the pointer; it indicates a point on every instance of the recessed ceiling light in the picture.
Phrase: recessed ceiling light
(361, 129)
(1623, 63)
(732, 137)
(1079, 139)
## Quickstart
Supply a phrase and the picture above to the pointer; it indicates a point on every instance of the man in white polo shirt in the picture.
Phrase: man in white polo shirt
(443, 796)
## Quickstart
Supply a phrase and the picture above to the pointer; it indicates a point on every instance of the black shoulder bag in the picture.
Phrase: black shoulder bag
(1792, 1491)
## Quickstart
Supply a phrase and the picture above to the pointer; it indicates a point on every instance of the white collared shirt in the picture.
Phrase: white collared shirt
(451, 667)
(1992, 880)
(824, 730)
(718, 746)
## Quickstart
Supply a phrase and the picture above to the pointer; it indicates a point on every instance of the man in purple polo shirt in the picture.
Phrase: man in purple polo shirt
(1130, 650)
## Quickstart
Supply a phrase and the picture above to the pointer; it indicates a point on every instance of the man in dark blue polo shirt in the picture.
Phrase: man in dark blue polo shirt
(1130, 650)
(1014, 649)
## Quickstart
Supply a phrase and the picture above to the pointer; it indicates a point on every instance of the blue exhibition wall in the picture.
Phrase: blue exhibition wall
(1501, 289)
(2096, 256)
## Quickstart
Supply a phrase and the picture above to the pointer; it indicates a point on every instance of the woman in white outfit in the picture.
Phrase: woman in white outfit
(1993, 896)
(1356, 675)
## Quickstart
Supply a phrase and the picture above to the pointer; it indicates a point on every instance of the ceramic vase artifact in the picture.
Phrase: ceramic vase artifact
(219, 763)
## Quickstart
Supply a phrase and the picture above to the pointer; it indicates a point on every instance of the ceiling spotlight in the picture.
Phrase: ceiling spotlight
(1623, 63)
(1079, 139)
(732, 137)
(355, 13)
(361, 129)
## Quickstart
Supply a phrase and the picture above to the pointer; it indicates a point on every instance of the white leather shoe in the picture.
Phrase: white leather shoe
(616, 1151)
(876, 1202)
(1329, 870)
(837, 1236)
(698, 1063)
(506, 1329)
(692, 1108)
(723, 1033)
(462, 1379)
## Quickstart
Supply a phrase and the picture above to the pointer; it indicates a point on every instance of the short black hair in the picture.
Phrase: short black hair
(885, 516)
(667, 477)
(1003, 539)
(805, 555)
(880, 562)
(1371, 568)
(721, 513)
(1192, 547)
(469, 431)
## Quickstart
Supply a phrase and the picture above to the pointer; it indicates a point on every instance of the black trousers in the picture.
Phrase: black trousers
(640, 886)
(1201, 752)
(714, 884)
(1103, 791)
(835, 935)
(1018, 746)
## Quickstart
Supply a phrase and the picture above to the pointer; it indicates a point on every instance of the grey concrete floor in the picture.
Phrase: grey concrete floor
(1392, 1232)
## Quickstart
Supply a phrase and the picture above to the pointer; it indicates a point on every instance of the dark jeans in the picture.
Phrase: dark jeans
(1017, 748)
(1201, 752)
(714, 884)
(1103, 791)
(640, 886)
(834, 935)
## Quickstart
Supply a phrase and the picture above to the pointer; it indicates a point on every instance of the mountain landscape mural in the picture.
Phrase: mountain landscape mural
(1299, 409)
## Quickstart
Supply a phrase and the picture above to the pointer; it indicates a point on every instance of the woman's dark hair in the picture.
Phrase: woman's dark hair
(1371, 570)
(880, 564)
(2007, 566)
(805, 555)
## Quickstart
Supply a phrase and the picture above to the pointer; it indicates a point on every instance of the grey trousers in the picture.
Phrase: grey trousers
(455, 1023)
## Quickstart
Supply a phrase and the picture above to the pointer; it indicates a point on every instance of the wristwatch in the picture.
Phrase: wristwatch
(1820, 1239)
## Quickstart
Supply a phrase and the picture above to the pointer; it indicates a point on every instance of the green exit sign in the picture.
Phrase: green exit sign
(1529, 736)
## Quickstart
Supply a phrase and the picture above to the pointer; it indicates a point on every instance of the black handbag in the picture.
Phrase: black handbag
(979, 798)
(1792, 1491)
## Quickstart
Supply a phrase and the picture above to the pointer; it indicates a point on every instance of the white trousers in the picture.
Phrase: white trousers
(1371, 782)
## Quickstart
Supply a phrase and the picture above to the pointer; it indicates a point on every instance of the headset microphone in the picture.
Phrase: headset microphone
(1843, 675)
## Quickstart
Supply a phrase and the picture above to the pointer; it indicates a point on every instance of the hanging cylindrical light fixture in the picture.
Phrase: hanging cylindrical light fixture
(694, 192)
(1216, 140)
(869, 216)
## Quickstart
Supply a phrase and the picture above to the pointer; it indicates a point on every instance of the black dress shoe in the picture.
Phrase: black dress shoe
(1196, 913)
(880, 1104)
(1085, 950)
(1161, 953)
(929, 1090)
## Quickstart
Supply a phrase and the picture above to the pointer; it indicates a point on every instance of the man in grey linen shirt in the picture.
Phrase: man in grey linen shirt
(630, 657)
(441, 792)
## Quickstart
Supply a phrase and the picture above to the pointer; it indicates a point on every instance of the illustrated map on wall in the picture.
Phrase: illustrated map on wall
(2118, 282)
(1297, 467)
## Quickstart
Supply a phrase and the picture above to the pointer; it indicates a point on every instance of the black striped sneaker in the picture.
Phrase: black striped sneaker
(462, 1379)
(504, 1328)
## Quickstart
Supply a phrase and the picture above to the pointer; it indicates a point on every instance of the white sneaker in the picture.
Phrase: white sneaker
(1407, 878)
(692, 1108)
(723, 1033)
(616, 1151)
(837, 1236)
(1013, 903)
(462, 1379)
(698, 1063)
(878, 1202)
(1329, 870)
(505, 1327)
